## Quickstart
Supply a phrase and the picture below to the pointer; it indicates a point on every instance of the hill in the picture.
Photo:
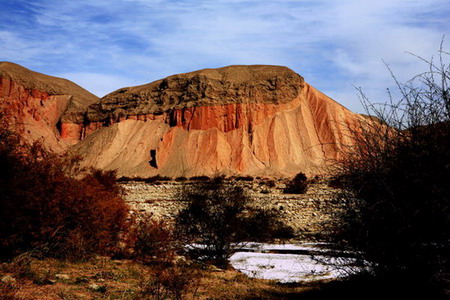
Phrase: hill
(253, 120)
(35, 104)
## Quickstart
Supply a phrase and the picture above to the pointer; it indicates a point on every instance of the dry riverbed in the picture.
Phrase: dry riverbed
(307, 213)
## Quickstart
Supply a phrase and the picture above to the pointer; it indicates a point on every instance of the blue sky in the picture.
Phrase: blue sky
(336, 45)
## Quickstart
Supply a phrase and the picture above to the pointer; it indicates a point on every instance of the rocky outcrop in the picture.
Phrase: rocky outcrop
(208, 87)
(35, 105)
(255, 120)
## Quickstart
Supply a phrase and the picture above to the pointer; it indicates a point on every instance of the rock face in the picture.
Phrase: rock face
(36, 104)
(254, 120)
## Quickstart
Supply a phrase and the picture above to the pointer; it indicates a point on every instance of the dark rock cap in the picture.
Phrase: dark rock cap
(232, 84)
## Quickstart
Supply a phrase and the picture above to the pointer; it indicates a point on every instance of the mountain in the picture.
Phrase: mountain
(254, 120)
(36, 104)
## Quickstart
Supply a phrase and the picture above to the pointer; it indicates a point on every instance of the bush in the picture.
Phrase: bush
(199, 178)
(157, 178)
(170, 283)
(124, 179)
(24, 266)
(336, 182)
(43, 206)
(245, 178)
(298, 185)
(271, 183)
(397, 185)
(263, 225)
(218, 215)
(8, 291)
(152, 242)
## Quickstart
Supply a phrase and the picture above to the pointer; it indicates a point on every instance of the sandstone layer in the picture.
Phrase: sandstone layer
(35, 104)
(254, 120)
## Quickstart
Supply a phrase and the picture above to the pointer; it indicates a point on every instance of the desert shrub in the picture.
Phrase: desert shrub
(297, 185)
(396, 180)
(152, 241)
(336, 182)
(218, 215)
(245, 178)
(263, 225)
(43, 206)
(174, 282)
(135, 178)
(284, 231)
(24, 266)
(199, 178)
(218, 179)
(124, 179)
(152, 179)
(8, 291)
(314, 180)
(271, 183)
(180, 178)
(157, 178)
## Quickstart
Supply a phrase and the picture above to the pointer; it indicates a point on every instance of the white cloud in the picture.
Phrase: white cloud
(11, 44)
(334, 44)
(98, 84)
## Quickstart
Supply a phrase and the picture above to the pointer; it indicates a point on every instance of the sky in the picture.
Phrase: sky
(336, 45)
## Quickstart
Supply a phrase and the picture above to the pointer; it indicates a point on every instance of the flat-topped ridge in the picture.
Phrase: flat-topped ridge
(232, 84)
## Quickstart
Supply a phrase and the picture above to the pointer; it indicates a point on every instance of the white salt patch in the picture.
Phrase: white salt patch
(290, 267)
(283, 267)
(253, 260)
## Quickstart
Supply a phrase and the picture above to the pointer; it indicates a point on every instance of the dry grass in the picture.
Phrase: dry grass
(126, 280)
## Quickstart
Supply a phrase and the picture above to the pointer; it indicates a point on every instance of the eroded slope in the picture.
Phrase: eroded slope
(256, 120)
(35, 104)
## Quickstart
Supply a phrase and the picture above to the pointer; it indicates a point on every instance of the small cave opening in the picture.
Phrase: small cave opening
(152, 161)
(59, 127)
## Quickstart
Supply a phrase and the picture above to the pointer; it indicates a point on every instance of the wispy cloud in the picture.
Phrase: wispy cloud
(104, 45)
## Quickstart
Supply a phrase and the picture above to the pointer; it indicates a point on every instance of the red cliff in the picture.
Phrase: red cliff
(35, 104)
(255, 120)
